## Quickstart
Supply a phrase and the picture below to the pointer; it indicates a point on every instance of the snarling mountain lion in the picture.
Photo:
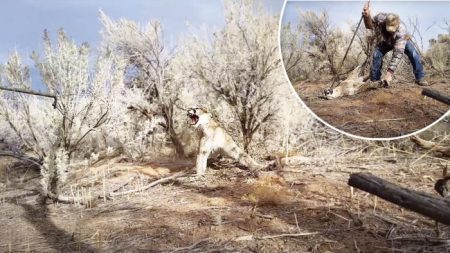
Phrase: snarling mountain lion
(214, 138)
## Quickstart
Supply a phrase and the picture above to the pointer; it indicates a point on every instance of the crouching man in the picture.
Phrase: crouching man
(391, 35)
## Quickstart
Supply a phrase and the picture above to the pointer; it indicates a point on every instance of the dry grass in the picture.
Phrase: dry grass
(268, 190)
(303, 207)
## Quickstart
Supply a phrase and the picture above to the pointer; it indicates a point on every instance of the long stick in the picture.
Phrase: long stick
(159, 181)
(36, 93)
(348, 49)
(19, 157)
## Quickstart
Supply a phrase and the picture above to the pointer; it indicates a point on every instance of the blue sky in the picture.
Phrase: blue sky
(341, 12)
(22, 21)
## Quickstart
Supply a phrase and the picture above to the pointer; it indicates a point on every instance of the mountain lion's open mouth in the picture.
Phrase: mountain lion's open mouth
(192, 116)
(327, 91)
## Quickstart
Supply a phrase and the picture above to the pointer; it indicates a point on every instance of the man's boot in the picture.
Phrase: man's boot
(422, 82)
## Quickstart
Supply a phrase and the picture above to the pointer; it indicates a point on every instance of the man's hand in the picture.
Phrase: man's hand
(368, 23)
(387, 77)
(366, 10)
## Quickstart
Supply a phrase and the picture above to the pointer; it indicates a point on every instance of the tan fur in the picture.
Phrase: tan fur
(213, 138)
(353, 85)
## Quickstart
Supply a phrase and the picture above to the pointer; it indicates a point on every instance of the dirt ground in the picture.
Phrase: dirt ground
(382, 113)
(302, 208)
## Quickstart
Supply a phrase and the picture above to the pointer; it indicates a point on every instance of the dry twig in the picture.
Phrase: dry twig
(188, 248)
(154, 183)
(287, 235)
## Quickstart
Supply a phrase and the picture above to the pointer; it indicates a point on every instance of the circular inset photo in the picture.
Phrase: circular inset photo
(373, 69)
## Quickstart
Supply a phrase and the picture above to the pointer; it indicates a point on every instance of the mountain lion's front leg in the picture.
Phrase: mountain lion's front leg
(204, 150)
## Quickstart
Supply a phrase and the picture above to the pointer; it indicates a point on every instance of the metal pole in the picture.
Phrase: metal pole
(346, 52)
(36, 93)
(348, 49)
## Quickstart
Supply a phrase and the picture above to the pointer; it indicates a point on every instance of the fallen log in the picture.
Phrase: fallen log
(436, 95)
(426, 204)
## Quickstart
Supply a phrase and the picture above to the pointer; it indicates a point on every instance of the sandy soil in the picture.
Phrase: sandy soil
(228, 210)
(385, 112)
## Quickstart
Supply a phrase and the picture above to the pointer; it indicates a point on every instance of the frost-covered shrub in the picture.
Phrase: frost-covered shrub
(314, 48)
(238, 67)
(56, 136)
(439, 54)
(149, 73)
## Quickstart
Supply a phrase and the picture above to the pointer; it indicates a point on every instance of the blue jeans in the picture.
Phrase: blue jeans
(413, 56)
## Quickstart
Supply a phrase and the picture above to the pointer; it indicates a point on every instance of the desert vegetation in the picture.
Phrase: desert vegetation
(131, 102)
(109, 167)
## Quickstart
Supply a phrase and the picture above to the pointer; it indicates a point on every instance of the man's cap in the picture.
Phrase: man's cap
(392, 22)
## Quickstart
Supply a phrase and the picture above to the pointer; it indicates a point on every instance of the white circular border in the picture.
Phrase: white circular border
(323, 121)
